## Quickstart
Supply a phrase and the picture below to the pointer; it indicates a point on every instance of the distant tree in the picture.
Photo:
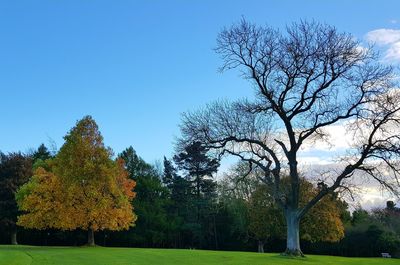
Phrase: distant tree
(390, 205)
(236, 191)
(360, 216)
(85, 188)
(40, 156)
(307, 78)
(199, 168)
(152, 226)
(15, 170)
(135, 165)
(180, 188)
(42, 153)
(169, 174)
(389, 217)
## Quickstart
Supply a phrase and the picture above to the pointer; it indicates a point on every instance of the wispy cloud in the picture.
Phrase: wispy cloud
(388, 39)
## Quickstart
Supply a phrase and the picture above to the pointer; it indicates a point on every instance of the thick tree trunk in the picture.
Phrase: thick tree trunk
(260, 246)
(14, 237)
(91, 237)
(293, 235)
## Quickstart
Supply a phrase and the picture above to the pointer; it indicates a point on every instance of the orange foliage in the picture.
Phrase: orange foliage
(84, 189)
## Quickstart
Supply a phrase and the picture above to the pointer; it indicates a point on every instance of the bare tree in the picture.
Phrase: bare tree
(307, 78)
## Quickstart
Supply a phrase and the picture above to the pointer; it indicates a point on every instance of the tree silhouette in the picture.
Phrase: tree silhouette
(307, 78)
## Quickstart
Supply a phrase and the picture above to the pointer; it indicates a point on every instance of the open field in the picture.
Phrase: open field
(24, 255)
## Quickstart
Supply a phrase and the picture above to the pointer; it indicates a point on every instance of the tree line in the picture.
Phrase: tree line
(130, 202)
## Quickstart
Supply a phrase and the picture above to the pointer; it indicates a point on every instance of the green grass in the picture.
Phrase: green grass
(24, 255)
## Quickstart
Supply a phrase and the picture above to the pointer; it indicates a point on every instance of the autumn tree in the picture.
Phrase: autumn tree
(323, 223)
(41, 201)
(306, 79)
(265, 220)
(15, 170)
(84, 187)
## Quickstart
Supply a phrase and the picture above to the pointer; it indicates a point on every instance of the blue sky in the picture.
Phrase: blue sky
(135, 65)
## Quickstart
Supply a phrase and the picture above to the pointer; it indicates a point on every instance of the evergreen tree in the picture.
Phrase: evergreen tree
(169, 174)
(199, 168)
(150, 204)
(42, 153)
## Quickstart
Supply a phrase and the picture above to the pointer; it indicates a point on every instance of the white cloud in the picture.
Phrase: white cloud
(394, 51)
(338, 138)
(367, 193)
(374, 197)
(313, 160)
(384, 36)
(389, 39)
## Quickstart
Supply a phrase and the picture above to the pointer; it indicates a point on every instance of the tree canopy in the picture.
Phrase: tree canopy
(84, 188)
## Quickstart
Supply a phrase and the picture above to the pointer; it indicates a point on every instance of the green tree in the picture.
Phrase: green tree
(180, 199)
(39, 157)
(15, 170)
(199, 168)
(169, 174)
(152, 226)
(42, 153)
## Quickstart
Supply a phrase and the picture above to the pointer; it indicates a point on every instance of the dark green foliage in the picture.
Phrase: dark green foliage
(135, 165)
(360, 216)
(368, 235)
(150, 203)
(40, 156)
(15, 170)
(42, 153)
(195, 162)
(169, 174)
(200, 221)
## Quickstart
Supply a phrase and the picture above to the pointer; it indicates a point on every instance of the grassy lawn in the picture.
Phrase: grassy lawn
(24, 255)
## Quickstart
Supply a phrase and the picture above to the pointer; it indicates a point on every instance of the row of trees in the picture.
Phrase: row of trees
(180, 205)
(82, 188)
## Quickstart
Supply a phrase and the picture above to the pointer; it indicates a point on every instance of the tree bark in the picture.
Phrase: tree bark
(293, 235)
(91, 238)
(260, 246)
(14, 237)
